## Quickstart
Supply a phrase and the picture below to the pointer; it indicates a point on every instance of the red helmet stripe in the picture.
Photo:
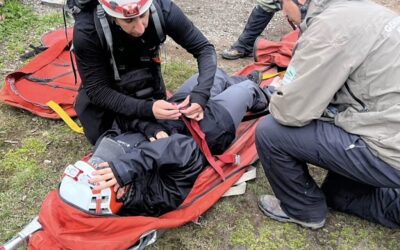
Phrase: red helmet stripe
(128, 10)
(98, 204)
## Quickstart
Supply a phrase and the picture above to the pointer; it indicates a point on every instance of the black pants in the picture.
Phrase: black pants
(257, 22)
(358, 183)
(95, 120)
(142, 83)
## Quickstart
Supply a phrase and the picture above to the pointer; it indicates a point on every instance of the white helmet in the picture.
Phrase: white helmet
(76, 189)
(125, 9)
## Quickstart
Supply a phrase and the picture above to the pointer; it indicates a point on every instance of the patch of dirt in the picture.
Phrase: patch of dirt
(39, 8)
(223, 21)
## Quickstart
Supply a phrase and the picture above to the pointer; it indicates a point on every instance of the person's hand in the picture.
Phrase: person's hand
(194, 111)
(120, 191)
(159, 135)
(103, 178)
(164, 110)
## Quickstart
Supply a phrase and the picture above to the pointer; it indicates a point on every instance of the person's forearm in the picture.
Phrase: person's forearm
(207, 64)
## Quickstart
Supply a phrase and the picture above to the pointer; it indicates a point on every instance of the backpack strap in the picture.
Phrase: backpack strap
(158, 21)
(105, 35)
(104, 32)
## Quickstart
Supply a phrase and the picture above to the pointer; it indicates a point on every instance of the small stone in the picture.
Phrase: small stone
(47, 162)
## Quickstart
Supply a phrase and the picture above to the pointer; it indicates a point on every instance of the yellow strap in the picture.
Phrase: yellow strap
(269, 76)
(66, 118)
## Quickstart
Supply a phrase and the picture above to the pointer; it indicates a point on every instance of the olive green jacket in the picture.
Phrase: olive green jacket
(346, 69)
(269, 5)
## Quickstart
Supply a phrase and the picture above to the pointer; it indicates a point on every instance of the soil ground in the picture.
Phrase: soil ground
(223, 21)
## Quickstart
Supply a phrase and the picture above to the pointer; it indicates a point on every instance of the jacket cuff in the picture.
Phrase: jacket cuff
(151, 129)
(196, 98)
(146, 109)
(121, 182)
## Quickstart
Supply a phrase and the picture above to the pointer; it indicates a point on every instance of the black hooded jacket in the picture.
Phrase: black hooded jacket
(96, 72)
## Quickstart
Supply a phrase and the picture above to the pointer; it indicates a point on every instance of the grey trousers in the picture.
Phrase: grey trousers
(358, 182)
(236, 101)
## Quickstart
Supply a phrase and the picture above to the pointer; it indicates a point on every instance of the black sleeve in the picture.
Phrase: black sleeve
(183, 31)
(173, 126)
(147, 128)
(175, 155)
(97, 75)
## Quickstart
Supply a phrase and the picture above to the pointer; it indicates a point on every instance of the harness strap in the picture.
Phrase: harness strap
(99, 30)
(157, 23)
(200, 138)
(108, 36)
(105, 32)
(70, 45)
(267, 76)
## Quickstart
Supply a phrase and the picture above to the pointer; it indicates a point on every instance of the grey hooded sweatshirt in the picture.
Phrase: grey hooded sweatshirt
(347, 64)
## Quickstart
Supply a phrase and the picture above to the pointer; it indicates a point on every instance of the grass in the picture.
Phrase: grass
(34, 152)
(236, 223)
(20, 27)
(175, 73)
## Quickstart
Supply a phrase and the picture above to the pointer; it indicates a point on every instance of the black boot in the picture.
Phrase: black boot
(257, 22)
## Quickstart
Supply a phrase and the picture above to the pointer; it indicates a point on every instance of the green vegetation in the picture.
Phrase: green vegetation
(33, 151)
(175, 73)
(22, 26)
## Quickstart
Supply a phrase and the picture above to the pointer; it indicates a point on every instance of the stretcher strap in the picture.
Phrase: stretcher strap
(200, 138)
(65, 117)
(267, 76)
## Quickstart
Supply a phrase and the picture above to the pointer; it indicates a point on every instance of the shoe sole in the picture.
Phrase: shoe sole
(226, 57)
(231, 57)
(314, 226)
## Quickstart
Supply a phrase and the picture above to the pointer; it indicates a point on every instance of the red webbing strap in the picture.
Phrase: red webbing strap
(227, 158)
(200, 138)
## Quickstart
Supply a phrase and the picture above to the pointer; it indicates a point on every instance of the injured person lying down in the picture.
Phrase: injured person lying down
(149, 167)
